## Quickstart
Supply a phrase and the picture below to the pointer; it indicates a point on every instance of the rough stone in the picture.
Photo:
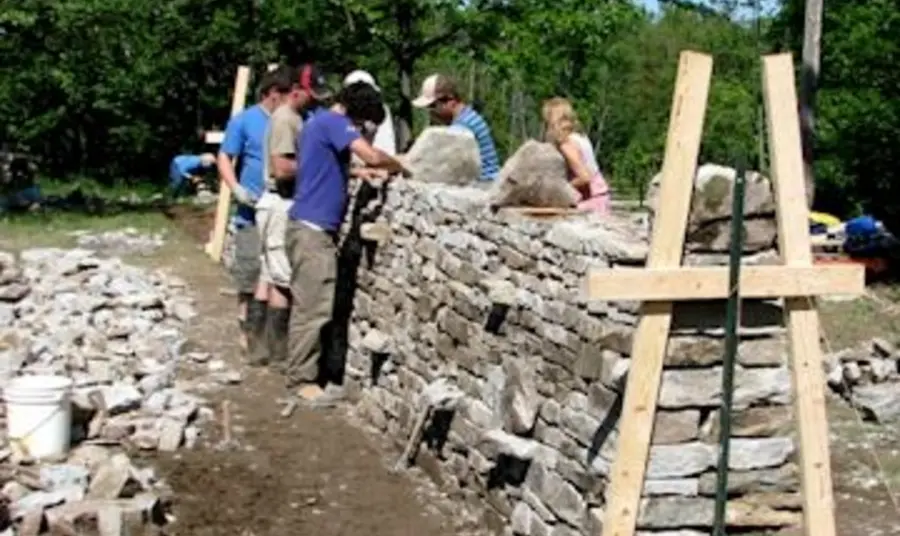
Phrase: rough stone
(444, 154)
(535, 175)
(711, 209)
(880, 402)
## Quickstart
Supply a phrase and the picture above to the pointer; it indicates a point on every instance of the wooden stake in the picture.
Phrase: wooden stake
(639, 407)
(238, 102)
(801, 314)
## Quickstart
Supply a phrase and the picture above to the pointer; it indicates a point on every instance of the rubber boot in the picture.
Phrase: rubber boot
(255, 326)
(277, 338)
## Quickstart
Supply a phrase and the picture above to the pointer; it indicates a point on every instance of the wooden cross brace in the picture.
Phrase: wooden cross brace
(664, 281)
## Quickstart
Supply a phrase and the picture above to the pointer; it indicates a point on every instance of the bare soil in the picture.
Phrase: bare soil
(312, 473)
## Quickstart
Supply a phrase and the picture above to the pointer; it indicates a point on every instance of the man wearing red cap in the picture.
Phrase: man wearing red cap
(308, 94)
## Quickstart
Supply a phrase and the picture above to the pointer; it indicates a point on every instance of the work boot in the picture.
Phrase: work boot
(277, 337)
(255, 327)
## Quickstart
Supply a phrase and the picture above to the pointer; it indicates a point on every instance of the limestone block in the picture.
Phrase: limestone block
(672, 427)
(511, 392)
(779, 480)
(444, 154)
(683, 487)
(534, 176)
(681, 512)
(686, 388)
(708, 225)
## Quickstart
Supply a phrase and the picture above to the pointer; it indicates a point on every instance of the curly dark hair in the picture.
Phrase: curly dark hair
(363, 103)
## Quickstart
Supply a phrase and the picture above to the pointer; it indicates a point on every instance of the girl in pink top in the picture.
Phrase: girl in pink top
(562, 129)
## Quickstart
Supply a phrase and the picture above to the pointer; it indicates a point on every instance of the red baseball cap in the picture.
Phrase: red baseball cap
(313, 81)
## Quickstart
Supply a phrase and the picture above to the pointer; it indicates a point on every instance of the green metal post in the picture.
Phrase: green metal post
(732, 317)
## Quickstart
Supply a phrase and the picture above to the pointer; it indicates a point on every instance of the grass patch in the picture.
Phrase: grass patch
(48, 229)
(52, 187)
(850, 323)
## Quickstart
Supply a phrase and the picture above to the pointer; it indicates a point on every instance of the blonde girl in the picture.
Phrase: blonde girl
(561, 128)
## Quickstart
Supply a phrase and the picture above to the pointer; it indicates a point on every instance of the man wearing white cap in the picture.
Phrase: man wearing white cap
(442, 100)
(384, 137)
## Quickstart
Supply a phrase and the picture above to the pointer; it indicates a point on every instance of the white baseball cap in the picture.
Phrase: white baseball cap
(434, 87)
(361, 76)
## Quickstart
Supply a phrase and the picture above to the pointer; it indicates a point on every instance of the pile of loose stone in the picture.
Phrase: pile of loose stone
(120, 242)
(117, 331)
(869, 377)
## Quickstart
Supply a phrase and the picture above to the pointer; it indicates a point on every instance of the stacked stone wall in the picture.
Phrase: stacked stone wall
(534, 437)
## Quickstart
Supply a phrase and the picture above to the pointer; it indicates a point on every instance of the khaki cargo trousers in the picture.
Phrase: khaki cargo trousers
(313, 257)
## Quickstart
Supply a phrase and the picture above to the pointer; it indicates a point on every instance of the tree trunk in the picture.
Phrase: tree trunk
(812, 35)
(405, 115)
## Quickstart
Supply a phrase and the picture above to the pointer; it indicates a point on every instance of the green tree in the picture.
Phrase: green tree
(858, 105)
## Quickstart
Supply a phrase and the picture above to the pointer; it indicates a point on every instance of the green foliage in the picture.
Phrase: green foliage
(114, 88)
(858, 105)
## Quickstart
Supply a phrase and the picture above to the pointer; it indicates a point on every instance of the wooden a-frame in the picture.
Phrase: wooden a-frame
(664, 281)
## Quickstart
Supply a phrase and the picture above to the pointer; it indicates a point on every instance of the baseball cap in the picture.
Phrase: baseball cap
(313, 81)
(361, 76)
(434, 87)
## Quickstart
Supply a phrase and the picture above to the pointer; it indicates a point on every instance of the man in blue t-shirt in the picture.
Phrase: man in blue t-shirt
(320, 203)
(442, 100)
(243, 144)
(187, 167)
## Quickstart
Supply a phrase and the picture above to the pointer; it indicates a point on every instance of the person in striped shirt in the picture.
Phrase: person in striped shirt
(442, 100)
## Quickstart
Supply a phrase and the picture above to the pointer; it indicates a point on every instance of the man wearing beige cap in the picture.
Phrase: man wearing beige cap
(442, 100)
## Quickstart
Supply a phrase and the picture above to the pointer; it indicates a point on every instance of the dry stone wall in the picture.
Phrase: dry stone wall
(535, 435)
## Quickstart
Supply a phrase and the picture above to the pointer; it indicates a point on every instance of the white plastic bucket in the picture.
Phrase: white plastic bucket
(39, 415)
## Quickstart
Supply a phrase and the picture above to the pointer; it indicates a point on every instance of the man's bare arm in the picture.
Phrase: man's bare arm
(376, 158)
(367, 173)
(225, 165)
(283, 168)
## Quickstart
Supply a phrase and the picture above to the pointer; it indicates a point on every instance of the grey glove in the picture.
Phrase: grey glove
(243, 196)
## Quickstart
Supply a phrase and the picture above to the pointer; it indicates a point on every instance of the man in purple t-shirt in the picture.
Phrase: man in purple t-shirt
(320, 203)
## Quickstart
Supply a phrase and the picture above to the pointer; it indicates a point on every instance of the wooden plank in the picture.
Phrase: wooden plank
(238, 101)
(801, 315)
(639, 406)
(542, 211)
(215, 137)
(711, 282)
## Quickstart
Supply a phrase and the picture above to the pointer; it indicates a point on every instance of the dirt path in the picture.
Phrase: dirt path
(310, 474)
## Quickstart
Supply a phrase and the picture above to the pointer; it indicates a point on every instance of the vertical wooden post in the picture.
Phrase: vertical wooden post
(801, 314)
(642, 389)
(238, 102)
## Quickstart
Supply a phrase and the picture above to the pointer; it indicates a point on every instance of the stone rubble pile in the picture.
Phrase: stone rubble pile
(117, 332)
(868, 377)
(120, 242)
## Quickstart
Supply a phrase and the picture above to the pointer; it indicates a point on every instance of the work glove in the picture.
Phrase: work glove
(244, 196)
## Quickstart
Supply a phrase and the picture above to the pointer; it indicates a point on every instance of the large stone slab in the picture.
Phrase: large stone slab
(708, 224)
(534, 176)
(444, 154)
